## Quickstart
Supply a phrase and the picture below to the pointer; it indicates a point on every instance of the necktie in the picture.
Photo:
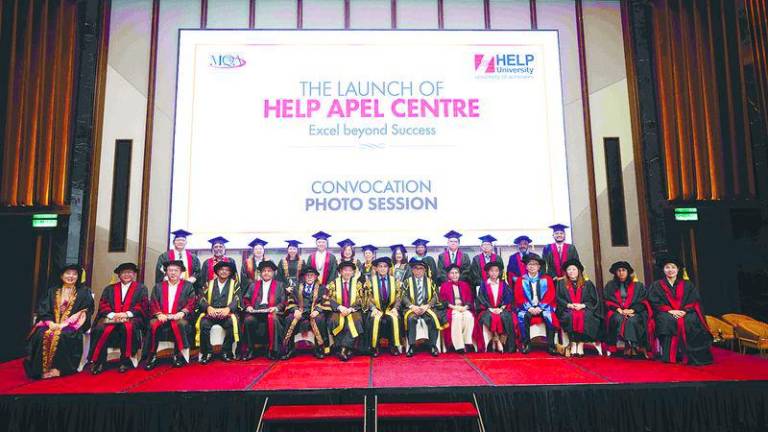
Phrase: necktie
(384, 289)
(345, 294)
(419, 292)
(453, 257)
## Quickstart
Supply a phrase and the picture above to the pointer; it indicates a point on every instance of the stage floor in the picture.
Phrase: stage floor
(304, 372)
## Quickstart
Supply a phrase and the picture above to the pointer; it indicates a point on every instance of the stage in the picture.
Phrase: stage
(600, 393)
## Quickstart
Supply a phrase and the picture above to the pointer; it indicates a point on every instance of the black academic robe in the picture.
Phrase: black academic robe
(503, 323)
(207, 274)
(249, 273)
(218, 297)
(515, 267)
(386, 301)
(59, 349)
(264, 327)
(555, 261)
(462, 260)
(432, 271)
(434, 318)
(638, 329)
(191, 262)
(179, 331)
(366, 271)
(477, 272)
(330, 267)
(289, 271)
(127, 336)
(687, 338)
(582, 325)
(307, 299)
(346, 329)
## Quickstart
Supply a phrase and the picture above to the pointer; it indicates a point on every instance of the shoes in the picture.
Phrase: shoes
(375, 352)
(206, 358)
(434, 351)
(395, 351)
(226, 356)
(97, 368)
(151, 363)
(409, 353)
(178, 361)
(287, 355)
(248, 356)
(319, 354)
(526, 349)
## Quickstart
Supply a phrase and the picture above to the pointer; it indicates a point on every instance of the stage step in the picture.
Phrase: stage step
(304, 416)
(426, 410)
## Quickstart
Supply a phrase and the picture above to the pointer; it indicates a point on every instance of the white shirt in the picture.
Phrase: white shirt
(453, 256)
(494, 290)
(123, 292)
(220, 286)
(320, 260)
(171, 295)
(535, 293)
(265, 292)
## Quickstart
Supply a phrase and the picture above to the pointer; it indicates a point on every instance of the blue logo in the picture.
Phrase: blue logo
(226, 61)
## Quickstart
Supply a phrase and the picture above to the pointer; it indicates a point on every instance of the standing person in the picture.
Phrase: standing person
(322, 260)
(219, 305)
(535, 303)
(680, 324)
(628, 313)
(400, 268)
(179, 253)
(250, 271)
(346, 301)
(516, 265)
(367, 270)
(578, 308)
(557, 253)
(63, 315)
(420, 246)
(121, 320)
(453, 255)
(289, 268)
(383, 319)
(264, 303)
(219, 249)
(347, 253)
(172, 304)
(477, 273)
(495, 298)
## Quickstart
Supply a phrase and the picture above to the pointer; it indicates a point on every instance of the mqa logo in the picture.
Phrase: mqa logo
(226, 61)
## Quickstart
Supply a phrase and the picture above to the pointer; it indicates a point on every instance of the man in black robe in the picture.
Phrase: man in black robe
(306, 310)
(419, 302)
(477, 274)
(264, 303)
(346, 299)
(383, 319)
(219, 305)
(557, 253)
(121, 320)
(453, 255)
(219, 250)
(420, 248)
(179, 253)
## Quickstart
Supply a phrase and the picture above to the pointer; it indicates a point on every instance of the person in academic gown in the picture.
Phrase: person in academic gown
(383, 319)
(477, 273)
(219, 250)
(307, 309)
(367, 270)
(516, 264)
(290, 267)
(264, 303)
(55, 344)
(179, 253)
(220, 304)
(171, 305)
(121, 320)
(453, 255)
(323, 260)
(420, 246)
(579, 308)
(535, 302)
(628, 313)
(680, 324)
(249, 273)
(400, 268)
(495, 298)
(347, 299)
(459, 309)
(419, 302)
(347, 253)
(557, 253)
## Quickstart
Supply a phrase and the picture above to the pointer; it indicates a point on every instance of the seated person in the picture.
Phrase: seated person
(456, 296)
(494, 300)
(535, 303)
(121, 321)
(63, 316)
(307, 310)
(264, 302)
(219, 305)
(680, 324)
(419, 302)
(578, 308)
(383, 306)
(171, 304)
(346, 298)
(628, 314)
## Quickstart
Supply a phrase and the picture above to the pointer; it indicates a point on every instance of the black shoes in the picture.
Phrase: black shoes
(375, 352)
(206, 358)
(409, 353)
(435, 352)
(395, 351)
(178, 361)
(151, 362)
(227, 356)
(526, 348)
(319, 354)
(97, 368)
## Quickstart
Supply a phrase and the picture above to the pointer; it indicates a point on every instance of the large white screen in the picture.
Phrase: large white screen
(267, 135)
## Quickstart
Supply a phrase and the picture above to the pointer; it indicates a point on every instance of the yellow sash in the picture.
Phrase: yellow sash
(430, 291)
(339, 299)
(377, 302)
(232, 315)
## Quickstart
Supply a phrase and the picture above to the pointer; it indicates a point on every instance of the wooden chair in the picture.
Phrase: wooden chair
(722, 331)
(734, 319)
(752, 334)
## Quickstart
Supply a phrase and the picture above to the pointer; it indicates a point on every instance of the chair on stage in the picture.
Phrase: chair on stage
(217, 341)
(422, 334)
(721, 330)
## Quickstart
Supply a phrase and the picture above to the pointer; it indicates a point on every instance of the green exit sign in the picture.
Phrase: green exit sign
(45, 220)
(686, 214)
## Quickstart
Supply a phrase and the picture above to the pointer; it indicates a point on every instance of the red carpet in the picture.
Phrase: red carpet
(452, 370)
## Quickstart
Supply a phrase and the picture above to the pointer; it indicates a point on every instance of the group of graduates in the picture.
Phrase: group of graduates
(353, 306)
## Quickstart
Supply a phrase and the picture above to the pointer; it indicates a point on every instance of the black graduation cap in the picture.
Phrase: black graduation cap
(533, 257)
(309, 269)
(219, 240)
(177, 263)
(257, 241)
(294, 243)
(496, 264)
(321, 235)
(369, 247)
(558, 227)
(413, 262)
(451, 267)
(487, 238)
(346, 242)
(126, 266)
(420, 242)
(267, 263)
(347, 264)
(452, 234)
(221, 264)
(180, 233)
(669, 259)
(522, 238)
(619, 265)
(385, 260)
(573, 262)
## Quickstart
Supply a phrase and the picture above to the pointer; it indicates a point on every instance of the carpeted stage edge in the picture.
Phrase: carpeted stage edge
(514, 392)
